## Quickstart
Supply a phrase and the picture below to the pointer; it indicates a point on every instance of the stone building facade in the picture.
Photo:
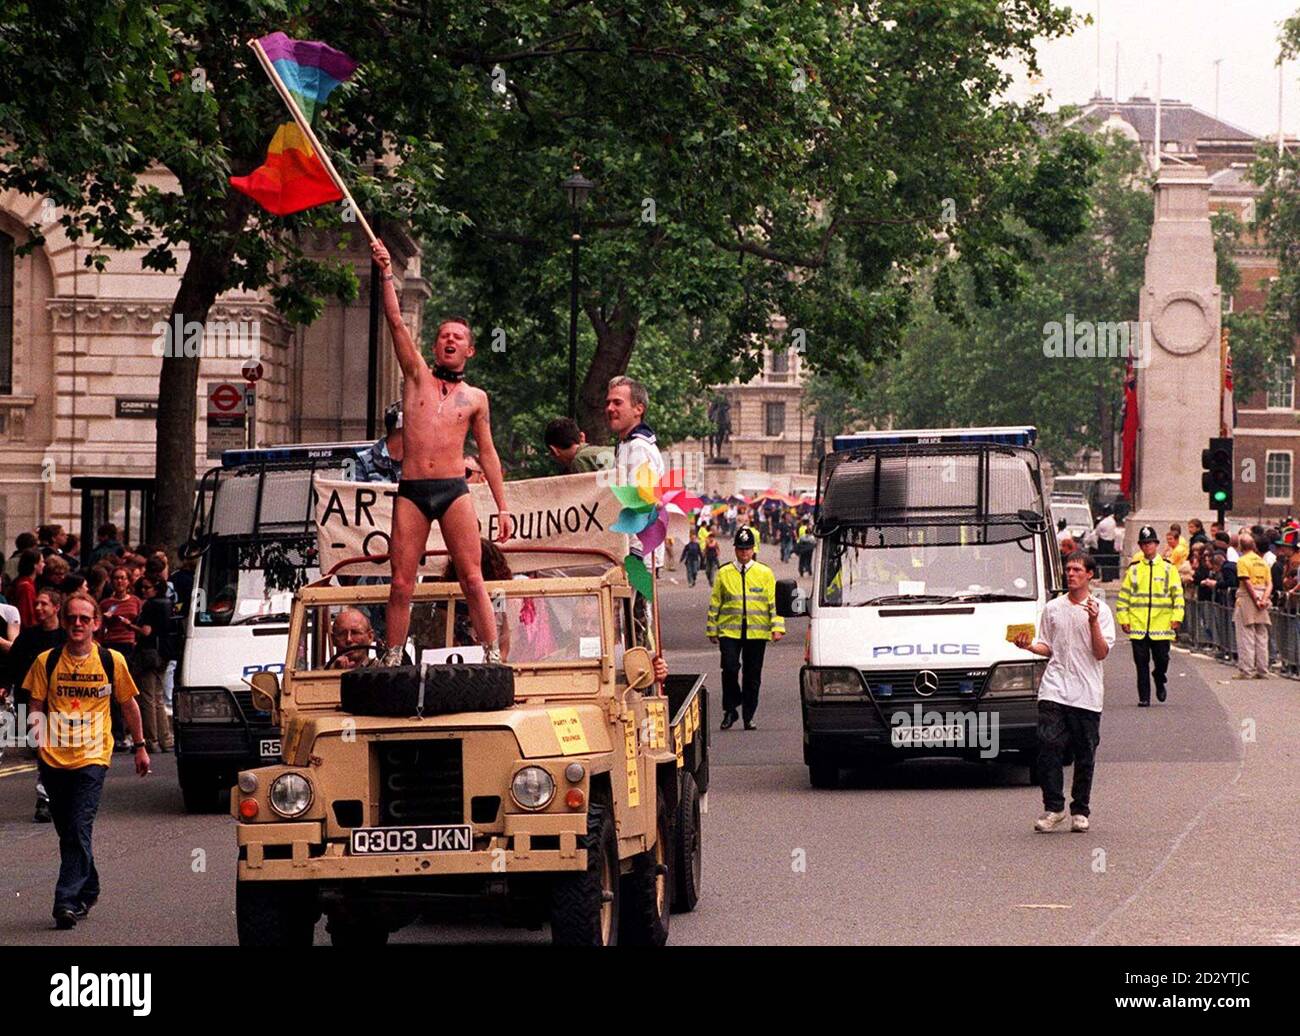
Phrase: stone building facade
(79, 368)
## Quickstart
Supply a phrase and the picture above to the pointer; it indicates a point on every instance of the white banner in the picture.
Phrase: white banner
(353, 519)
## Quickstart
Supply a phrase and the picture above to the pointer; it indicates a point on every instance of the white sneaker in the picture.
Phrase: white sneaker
(1051, 821)
(1079, 823)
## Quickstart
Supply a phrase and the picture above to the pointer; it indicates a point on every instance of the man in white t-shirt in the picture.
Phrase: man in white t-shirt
(1075, 635)
(626, 402)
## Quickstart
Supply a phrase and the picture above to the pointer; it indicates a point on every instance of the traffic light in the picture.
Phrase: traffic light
(1217, 477)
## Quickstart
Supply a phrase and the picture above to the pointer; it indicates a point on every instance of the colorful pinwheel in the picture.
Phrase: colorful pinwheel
(646, 504)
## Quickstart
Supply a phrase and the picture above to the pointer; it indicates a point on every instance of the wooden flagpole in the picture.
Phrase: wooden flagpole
(305, 126)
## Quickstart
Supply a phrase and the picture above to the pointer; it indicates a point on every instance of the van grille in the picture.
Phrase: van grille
(890, 685)
(420, 782)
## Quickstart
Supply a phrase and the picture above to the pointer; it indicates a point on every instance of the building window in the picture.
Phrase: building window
(6, 314)
(1277, 477)
(774, 418)
(1281, 385)
(774, 463)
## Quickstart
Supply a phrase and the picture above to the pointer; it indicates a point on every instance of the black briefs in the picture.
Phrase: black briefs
(432, 495)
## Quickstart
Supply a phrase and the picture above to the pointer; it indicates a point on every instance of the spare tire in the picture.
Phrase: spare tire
(405, 691)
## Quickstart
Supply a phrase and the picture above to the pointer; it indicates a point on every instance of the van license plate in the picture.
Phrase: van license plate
(269, 748)
(928, 737)
(373, 841)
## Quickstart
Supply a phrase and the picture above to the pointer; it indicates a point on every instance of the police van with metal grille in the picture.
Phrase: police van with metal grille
(934, 548)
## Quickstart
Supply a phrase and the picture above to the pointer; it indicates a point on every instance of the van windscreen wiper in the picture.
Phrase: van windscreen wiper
(987, 596)
(902, 599)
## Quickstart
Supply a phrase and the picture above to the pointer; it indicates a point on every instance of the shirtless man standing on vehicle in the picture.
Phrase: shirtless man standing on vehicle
(438, 410)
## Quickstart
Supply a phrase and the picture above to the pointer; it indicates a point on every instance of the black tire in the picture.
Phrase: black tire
(648, 889)
(585, 904)
(823, 771)
(356, 933)
(688, 849)
(395, 691)
(201, 790)
(275, 913)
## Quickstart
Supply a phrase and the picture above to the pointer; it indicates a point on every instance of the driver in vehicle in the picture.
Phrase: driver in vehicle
(351, 630)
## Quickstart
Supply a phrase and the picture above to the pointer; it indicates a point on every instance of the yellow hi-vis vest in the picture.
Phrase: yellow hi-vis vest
(744, 601)
(1150, 600)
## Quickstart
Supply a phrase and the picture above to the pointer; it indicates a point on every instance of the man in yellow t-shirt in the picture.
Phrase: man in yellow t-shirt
(70, 688)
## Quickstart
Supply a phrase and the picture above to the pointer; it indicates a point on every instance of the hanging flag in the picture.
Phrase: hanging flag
(1228, 418)
(294, 177)
(1129, 425)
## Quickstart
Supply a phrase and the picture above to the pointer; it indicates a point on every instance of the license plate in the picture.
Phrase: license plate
(269, 747)
(446, 838)
(928, 737)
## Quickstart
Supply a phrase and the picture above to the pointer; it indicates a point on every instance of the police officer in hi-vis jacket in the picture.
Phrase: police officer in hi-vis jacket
(1150, 610)
(742, 619)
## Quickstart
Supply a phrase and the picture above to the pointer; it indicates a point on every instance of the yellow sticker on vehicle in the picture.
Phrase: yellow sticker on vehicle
(568, 731)
(695, 713)
(681, 760)
(661, 724)
(629, 750)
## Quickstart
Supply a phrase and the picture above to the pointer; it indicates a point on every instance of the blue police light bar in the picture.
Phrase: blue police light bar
(1009, 435)
(293, 453)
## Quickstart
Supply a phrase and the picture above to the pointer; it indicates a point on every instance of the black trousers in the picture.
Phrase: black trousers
(74, 801)
(1065, 729)
(1144, 651)
(738, 654)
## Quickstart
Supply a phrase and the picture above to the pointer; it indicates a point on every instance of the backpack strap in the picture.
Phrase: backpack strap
(107, 663)
(51, 661)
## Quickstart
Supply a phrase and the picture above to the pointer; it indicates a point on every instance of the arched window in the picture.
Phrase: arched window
(6, 314)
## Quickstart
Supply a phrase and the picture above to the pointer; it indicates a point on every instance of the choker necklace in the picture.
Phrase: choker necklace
(446, 374)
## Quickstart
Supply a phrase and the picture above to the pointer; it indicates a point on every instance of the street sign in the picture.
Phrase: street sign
(143, 407)
(227, 417)
(252, 371)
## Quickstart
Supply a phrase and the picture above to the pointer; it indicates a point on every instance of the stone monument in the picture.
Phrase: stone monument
(1178, 378)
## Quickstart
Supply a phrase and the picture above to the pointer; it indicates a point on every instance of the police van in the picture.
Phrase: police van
(254, 532)
(934, 548)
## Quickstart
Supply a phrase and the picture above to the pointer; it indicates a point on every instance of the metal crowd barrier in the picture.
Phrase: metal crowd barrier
(1208, 628)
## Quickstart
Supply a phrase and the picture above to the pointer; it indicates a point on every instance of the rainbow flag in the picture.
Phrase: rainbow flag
(293, 177)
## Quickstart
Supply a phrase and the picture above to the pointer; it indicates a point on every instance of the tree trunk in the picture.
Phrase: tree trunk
(204, 279)
(615, 340)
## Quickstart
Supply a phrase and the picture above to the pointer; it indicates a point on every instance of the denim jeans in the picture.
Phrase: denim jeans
(74, 801)
(1065, 730)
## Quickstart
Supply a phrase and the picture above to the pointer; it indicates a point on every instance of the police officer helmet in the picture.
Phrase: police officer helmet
(1148, 535)
(744, 539)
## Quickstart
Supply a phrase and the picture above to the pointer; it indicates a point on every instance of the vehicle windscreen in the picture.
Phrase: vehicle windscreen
(1076, 516)
(927, 564)
(549, 629)
(240, 585)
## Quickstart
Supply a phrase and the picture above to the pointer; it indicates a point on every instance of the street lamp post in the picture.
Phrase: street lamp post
(576, 188)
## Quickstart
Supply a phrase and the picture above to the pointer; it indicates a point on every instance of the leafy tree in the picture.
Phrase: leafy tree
(963, 363)
(761, 157)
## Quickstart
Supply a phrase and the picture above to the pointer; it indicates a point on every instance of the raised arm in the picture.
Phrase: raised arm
(487, 457)
(408, 353)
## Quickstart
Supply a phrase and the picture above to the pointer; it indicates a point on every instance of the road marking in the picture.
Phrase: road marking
(10, 771)
(1173, 849)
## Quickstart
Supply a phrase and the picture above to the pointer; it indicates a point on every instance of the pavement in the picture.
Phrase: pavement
(1191, 842)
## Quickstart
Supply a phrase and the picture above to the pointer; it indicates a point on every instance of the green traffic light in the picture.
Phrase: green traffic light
(1220, 496)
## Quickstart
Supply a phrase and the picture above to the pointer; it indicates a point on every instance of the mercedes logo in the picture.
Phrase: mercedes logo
(925, 683)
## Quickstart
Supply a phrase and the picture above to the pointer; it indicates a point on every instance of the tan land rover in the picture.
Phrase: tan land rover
(563, 786)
